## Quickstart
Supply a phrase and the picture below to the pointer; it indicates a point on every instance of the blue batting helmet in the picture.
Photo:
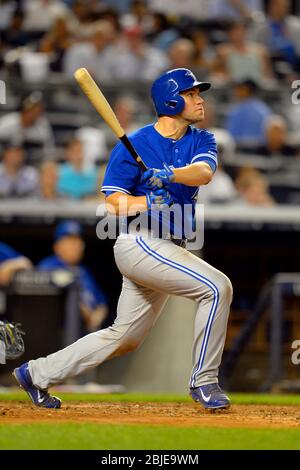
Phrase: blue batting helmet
(166, 89)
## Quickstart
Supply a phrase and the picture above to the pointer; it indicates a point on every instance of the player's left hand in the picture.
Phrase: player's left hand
(157, 179)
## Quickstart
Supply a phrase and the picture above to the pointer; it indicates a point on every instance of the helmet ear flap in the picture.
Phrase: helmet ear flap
(174, 105)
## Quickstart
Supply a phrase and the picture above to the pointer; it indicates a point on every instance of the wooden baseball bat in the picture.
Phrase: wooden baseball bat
(98, 100)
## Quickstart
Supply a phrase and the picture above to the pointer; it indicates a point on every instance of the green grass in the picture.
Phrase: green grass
(237, 398)
(99, 437)
(132, 436)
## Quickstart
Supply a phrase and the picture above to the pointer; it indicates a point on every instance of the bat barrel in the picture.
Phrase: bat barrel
(98, 100)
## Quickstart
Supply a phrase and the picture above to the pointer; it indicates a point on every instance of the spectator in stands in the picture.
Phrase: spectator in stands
(29, 126)
(94, 141)
(240, 59)
(280, 33)
(125, 108)
(137, 14)
(68, 253)
(133, 59)
(253, 188)
(162, 33)
(292, 112)
(15, 36)
(74, 180)
(80, 17)
(10, 263)
(16, 178)
(40, 15)
(246, 120)
(195, 10)
(182, 54)
(48, 180)
(228, 10)
(204, 53)
(220, 190)
(277, 139)
(92, 53)
(225, 142)
(7, 10)
(55, 43)
(122, 6)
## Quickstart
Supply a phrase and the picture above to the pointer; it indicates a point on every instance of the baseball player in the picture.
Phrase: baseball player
(180, 158)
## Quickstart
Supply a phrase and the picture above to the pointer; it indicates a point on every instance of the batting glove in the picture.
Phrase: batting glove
(159, 198)
(157, 179)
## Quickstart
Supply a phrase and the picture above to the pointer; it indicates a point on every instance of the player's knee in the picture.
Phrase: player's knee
(127, 347)
(225, 288)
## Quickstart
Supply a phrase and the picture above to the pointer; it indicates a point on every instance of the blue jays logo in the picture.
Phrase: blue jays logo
(173, 85)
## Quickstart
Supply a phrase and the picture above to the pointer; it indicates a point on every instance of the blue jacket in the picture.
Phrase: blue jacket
(246, 122)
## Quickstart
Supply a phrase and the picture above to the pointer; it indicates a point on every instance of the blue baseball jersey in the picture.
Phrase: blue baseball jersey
(124, 175)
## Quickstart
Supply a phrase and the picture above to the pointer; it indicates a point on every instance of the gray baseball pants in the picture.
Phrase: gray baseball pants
(152, 270)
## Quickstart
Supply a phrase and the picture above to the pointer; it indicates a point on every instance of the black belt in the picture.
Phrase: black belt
(177, 241)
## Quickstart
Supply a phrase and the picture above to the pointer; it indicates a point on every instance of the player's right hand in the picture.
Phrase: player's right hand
(159, 198)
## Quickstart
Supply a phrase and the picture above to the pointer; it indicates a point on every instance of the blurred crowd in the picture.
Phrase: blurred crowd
(248, 49)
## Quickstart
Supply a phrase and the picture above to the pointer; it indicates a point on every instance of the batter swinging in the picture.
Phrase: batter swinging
(180, 159)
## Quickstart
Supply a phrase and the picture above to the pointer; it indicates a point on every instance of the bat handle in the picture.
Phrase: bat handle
(133, 152)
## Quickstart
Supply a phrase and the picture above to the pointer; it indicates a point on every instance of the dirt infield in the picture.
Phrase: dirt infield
(178, 414)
